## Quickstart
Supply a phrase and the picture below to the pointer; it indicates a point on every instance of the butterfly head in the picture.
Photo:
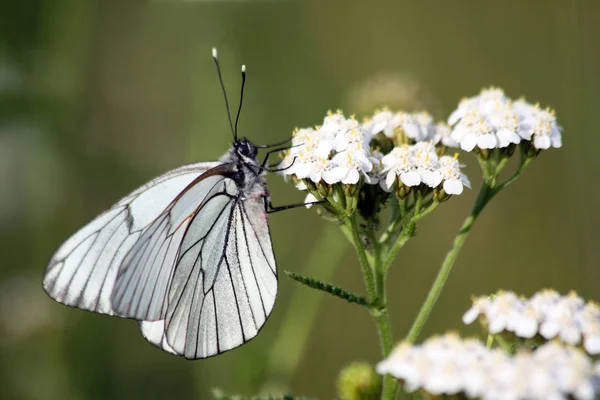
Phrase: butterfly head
(245, 150)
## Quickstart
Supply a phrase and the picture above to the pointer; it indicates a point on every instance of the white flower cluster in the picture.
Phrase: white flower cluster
(418, 127)
(449, 365)
(420, 164)
(546, 313)
(492, 120)
(337, 151)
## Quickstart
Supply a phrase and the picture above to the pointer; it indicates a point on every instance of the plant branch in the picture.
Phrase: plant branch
(485, 194)
(407, 232)
(524, 164)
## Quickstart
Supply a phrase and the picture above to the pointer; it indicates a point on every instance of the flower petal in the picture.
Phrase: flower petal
(592, 344)
(487, 141)
(468, 142)
(410, 178)
(453, 186)
(541, 142)
(352, 177)
(470, 316)
(303, 170)
(335, 175)
(389, 180)
(309, 199)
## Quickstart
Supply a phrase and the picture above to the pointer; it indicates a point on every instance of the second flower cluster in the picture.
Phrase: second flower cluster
(344, 151)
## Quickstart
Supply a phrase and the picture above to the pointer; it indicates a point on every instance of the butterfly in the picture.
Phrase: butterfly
(189, 254)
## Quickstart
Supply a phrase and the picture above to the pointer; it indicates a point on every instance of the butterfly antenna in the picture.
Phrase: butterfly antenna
(237, 118)
(214, 54)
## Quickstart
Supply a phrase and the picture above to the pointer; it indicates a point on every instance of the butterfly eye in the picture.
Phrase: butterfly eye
(251, 150)
(246, 149)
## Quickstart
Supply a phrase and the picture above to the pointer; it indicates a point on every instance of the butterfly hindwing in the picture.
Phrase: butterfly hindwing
(224, 284)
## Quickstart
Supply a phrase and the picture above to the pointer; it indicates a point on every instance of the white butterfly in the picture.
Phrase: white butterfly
(188, 254)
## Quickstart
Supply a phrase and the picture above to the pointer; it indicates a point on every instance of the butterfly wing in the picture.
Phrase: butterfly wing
(83, 271)
(186, 254)
(145, 274)
(225, 282)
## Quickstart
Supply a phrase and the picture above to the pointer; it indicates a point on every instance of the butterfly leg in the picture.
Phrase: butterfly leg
(268, 154)
(266, 146)
(269, 208)
(283, 168)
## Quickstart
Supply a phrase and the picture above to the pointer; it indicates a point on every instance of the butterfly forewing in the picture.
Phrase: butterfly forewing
(83, 270)
(144, 277)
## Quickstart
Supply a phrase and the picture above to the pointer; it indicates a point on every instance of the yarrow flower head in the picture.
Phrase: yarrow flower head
(539, 124)
(411, 166)
(492, 120)
(384, 122)
(453, 179)
(547, 314)
(407, 128)
(402, 152)
(335, 152)
(449, 365)
(443, 135)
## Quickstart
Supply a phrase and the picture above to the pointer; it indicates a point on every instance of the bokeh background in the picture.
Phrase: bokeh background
(97, 97)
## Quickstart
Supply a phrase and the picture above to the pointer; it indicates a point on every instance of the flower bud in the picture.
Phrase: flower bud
(509, 150)
(351, 190)
(324, 189)
(402, 191)
(530, 150)
(484, 153)
(358, 381)
(440, 195)
(310, 185)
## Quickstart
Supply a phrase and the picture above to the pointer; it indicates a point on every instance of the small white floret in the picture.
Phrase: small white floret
(448, 365)
(492, 120)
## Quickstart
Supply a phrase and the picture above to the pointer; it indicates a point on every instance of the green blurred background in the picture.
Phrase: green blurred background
(97, 97)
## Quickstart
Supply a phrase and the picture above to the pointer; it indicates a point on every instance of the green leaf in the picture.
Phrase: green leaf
(329, 288)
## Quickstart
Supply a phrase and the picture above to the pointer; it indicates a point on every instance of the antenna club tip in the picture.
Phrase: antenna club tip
(243, 69)
(214, 52)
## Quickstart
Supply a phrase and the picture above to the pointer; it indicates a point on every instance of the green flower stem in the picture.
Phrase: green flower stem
(375, 259)
(406, 233)
(347, 231)
(374, 278)
(382, 321)
(489, 188)
(524, 164)
(430, 207)
(394, 220)
(504, 344)
(363, 259)
(485, 194)
(490, 341)
(501, 165)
